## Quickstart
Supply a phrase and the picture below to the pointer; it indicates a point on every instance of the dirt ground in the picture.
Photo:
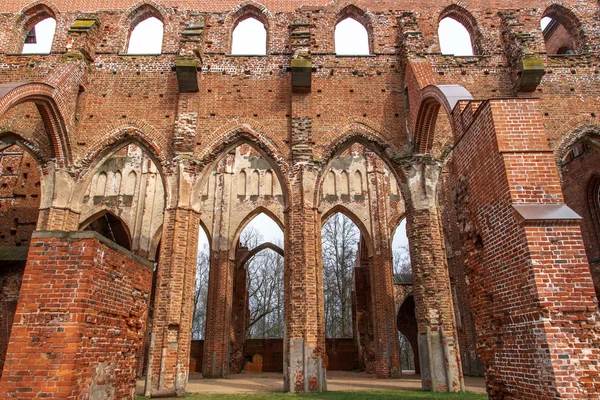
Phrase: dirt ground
(336, 381)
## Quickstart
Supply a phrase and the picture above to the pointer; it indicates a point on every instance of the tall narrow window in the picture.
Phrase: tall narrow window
(344, 184)
(254, 183)
(146, 37)
(454, 38)
(241, 184)
(329, 188)
(358, 183)
(39, 38)
(249, 38)
(351, 38)
(268, 183)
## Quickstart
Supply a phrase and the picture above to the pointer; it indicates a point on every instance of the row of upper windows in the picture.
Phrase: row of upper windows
(250, 38)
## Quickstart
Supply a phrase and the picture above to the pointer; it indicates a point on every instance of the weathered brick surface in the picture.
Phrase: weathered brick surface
(11, 276)
(544, 311)
(79, 322)
(87, 99)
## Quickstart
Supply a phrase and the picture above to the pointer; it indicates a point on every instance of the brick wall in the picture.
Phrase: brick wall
(579, 175)
(11, 274)
(79, 322)
(88, 98)
(530, 285)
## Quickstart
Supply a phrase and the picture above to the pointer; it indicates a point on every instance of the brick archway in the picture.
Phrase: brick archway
(42, 95)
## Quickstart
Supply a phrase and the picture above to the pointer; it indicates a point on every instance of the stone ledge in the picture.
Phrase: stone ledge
(79, 235)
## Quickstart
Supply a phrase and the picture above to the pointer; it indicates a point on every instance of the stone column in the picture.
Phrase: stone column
(387, 347)
(303, 350)
(439, 354)
(174, 301)
(219, 333)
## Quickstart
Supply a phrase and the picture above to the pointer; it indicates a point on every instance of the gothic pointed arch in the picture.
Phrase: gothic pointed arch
(30, 16)
(468, 21)
(110, 226)
(340, 209)
(573, 37)
(137, 13)
(231, 136)
(432, 99)
(244, 11)
(43, 96)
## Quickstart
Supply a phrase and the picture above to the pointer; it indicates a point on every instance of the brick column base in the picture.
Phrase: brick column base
(80, 319)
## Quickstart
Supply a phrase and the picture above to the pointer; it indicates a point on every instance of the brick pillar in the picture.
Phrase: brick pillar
(530, 284)
(174, 303)
(387, 347)
(304, 335)
(361, 303)
(80, 319)
(239, 314)
(439, 353)
(219, 333)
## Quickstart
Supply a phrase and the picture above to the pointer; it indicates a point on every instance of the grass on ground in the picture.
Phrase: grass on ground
(362, 395)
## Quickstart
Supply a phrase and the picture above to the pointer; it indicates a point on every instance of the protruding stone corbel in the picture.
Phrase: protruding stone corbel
(187, 75)
(301, 75)
(531, 72)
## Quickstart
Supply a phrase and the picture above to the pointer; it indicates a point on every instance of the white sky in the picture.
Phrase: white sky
(544, 23)
(146, 37)
(249, 38)
(44, 35)
(351, 38)
(454, 38)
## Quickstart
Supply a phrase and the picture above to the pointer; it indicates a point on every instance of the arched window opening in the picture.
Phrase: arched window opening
(408, 335)
(407, 354)
(130, 183)
(249, 38)
(454, 38)
(562, 31)
(401, 255)
(330, 186)
(146, 37)
(340, 238)
(201, 286)
(241, 186)
(268, 183)
(40, 37)
(351, 38)
(264, 278)
(358, 183)
(101, 184)
(254, 183)
(112, 228)
(393, 185)
(345, 184)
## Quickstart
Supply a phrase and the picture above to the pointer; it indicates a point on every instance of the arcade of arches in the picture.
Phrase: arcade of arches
(113, 162)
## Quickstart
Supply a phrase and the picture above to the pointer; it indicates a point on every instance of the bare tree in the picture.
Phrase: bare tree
(265, 288)
(340, 238)
(402, 265)
(201, 293)
(406, 353)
